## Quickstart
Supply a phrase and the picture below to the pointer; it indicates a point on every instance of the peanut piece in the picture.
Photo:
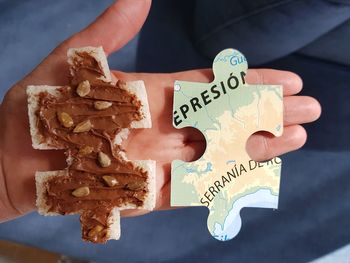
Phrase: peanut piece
(85, 150)
(135, 185)
(95, 231)
(83, 88)
(102, 105)
(110, 180)
(81, 191)
(121, 84)
(103, 159)
(83, 126)
(65, 119)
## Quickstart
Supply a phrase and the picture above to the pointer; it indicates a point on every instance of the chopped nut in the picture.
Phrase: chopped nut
(95, 231)
(83, 88)
(121, 84)
(135, 185)
(65, 119)
(81, 191)
(83, 126)
(102, 105)
(85, 150)
(110, 180)
(103, 159)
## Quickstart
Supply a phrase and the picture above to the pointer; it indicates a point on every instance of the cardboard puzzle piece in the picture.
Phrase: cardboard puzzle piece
(227, 111)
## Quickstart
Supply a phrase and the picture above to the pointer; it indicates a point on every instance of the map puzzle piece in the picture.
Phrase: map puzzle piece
(227, 111)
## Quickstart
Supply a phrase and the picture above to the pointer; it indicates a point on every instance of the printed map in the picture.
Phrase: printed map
(227, 111)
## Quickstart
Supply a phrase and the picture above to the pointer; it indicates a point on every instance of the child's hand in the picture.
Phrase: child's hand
(162, 143)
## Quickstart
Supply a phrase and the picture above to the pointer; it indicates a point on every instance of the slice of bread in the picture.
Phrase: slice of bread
(134, 87)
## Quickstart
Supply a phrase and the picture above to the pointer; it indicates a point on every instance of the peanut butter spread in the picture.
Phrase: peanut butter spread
(85, 119)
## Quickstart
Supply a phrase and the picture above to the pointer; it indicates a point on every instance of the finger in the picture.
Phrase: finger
(260, 147)
(263, 146)
(163, 200)
(291, 82)
(114, 28)
(197, 75)
(297, 110)
(192, 151)
(300, 109)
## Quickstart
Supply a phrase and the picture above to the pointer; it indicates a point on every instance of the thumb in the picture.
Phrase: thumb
(114, 28)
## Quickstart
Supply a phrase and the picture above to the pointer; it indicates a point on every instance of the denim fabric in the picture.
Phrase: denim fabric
(346, 2)
(333, 46)
(264, 29)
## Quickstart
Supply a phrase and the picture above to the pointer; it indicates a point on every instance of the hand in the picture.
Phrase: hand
(163, 143)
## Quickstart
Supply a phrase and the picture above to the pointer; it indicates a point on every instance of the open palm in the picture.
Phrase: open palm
(163, 143)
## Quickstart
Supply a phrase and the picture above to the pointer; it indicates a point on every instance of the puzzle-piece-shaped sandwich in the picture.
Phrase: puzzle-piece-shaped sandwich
(89, 119)
(227, 111)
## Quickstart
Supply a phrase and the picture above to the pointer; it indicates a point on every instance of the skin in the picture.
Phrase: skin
(163, 143)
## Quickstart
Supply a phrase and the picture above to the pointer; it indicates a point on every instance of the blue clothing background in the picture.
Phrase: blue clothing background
(313, 218)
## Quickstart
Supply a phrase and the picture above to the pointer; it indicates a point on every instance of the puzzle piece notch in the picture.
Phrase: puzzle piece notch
(227, 111)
